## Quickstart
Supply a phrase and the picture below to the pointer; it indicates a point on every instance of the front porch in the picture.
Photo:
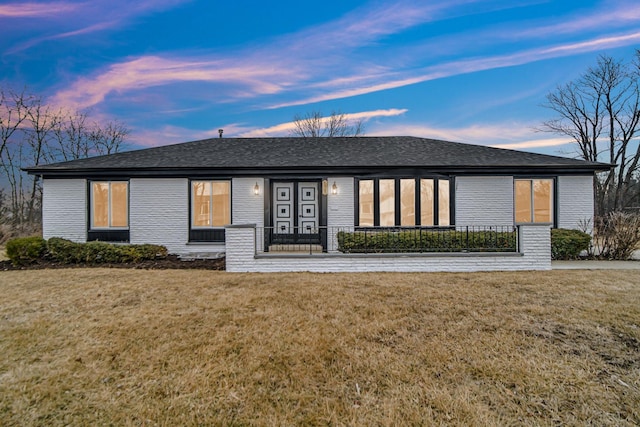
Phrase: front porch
(246, 251)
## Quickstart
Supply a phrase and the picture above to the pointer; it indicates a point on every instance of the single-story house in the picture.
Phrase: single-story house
(286, 200)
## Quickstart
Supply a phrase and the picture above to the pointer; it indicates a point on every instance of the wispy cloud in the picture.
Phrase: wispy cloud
(288, 63)
(535, 143)
(284, 129)
(341, 59)
(77, 18)
(36, 10)
(474, 65)
(516, 136)
(174, 134)
(153, 71)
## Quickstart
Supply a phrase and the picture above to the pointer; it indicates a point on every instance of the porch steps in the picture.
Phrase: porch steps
(295, 249)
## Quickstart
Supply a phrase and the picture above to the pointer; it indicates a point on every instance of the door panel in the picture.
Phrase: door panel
(308, 207)
(283, 212)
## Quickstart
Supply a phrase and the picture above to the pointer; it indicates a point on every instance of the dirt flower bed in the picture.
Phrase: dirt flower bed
(170, 262)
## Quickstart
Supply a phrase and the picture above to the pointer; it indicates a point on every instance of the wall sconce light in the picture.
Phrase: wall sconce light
(334, 188)
(256, 189)
(325, 187)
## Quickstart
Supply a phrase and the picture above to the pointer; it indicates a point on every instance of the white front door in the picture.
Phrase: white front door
(295, 207)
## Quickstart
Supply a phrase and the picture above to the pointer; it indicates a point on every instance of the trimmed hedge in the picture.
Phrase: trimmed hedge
(426, 241)
(568, 244)
(26, 250)
(68, 252)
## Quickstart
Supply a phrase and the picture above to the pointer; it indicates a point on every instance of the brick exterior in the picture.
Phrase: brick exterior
(64, 209)
(575, 201)
(246, 206)
(535, 254)
(159, 214)
(484, 200)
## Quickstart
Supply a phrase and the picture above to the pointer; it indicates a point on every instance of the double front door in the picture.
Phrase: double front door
(295, 211)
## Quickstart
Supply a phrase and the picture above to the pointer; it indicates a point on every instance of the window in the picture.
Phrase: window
(365, 208)
(533, 200)
(210, 210)
(405, 202)
(211, 203)
(109, 204)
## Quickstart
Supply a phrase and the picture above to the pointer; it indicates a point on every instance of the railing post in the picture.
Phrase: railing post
(467, 238)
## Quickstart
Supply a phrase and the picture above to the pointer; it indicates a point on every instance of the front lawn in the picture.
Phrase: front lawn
(136, 347)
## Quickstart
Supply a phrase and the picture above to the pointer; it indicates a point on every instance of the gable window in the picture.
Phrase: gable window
(210, 210)
(405, 202)
(533, 200)
(108, 211)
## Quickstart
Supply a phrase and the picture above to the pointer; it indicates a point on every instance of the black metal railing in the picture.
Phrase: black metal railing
(359, 240)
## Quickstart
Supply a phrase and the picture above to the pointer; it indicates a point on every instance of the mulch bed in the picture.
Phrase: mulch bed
(170, 262)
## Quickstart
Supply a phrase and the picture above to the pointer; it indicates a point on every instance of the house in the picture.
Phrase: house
(297, 193)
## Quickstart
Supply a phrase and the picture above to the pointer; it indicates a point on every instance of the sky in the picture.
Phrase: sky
(474, 71)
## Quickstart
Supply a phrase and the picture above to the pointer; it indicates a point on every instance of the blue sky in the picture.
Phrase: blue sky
(473, 71)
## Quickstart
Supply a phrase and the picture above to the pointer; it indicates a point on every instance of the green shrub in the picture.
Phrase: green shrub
(418, 240)
(68, 252)
(65, 251)
(568, 244)
(26, 250)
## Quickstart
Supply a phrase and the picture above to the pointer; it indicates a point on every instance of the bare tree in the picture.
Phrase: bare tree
(600, 112)
(13, 111)
(315, 124)
(108, 139)
(72, 136)
(33, 133)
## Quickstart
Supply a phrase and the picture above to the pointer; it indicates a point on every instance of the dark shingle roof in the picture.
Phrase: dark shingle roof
(358, 153)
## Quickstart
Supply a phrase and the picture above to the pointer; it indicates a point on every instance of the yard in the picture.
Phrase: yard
(190, 347)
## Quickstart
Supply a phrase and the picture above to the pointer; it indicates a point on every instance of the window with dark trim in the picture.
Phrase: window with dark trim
(533, 200)
(210, 206)
(405, 202)
(109, 211)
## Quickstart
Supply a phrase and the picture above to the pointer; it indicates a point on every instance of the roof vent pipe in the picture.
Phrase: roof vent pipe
(220, 132)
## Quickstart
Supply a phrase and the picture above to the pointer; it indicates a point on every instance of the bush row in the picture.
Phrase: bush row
(426, 241)
(565, 244)
(29, 250)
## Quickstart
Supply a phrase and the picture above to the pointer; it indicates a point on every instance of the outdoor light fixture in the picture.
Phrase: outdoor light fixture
(256, 189)
(325, 187)
(334, 188)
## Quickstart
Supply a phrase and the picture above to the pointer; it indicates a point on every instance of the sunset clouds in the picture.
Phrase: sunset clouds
(439, 68)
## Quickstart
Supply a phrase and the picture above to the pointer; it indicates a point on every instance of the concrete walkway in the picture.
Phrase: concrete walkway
(595, 265)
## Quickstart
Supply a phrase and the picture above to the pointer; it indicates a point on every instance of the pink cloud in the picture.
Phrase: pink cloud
(286, 128)
(152, 71)
(474, 65)
(31, 10)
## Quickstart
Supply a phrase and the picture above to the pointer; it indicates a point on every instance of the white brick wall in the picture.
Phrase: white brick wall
(64, 209)
(484, 200)
(247, 207)
(340, 207)
(535, 254)
(575, 201)
(159, 214)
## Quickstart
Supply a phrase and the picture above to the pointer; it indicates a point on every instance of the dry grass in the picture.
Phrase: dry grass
(130, 347)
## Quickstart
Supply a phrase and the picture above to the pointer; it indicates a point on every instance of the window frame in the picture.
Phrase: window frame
(553, 209)
(109, 233)
(398, 201)
(208, 233)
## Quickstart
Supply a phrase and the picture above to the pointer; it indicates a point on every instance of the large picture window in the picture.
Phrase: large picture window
(109, 204)
(210, 210)
(533, 200)
(405, 202)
